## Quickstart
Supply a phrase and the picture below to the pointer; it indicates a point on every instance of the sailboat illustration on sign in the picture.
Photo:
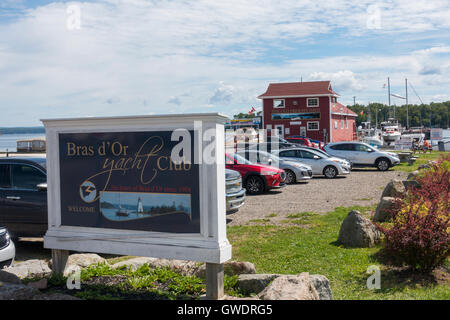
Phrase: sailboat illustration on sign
(121, 212)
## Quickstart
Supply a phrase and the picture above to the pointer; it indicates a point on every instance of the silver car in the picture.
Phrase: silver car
(7, 249)
(321, 164)
(295, 171)
(235, 194)
(363, 155)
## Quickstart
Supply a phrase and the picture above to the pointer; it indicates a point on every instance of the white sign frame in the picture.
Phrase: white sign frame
(210, 245)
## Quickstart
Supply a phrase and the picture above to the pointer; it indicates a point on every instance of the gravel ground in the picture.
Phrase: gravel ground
(362, 187)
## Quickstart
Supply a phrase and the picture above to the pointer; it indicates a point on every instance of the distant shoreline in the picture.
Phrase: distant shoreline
(22, 130)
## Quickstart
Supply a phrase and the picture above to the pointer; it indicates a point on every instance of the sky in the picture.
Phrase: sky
(135, 57)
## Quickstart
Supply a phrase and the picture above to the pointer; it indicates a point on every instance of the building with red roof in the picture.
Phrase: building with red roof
(307, 109)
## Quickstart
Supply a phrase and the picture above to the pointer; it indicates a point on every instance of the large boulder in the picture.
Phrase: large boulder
(358, 231)
(385, 209)
(30, 268)
(394, 189)
(322, 285)
(12, 291)
(291, 287)
(255, 283)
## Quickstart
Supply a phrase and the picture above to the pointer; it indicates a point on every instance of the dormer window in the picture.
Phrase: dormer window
(278, 103)
(312, 102)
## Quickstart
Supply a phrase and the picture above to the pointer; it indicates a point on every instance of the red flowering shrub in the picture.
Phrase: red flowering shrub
(419, 235)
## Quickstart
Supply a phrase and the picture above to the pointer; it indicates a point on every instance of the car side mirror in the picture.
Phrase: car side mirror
(269, 161)
(42, 187)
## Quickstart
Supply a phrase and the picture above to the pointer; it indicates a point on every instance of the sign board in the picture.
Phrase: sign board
(144, 186)
(436, 134)
(404, 143)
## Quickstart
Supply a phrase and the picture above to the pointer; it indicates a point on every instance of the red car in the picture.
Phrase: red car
(257, 178)
(300, 140)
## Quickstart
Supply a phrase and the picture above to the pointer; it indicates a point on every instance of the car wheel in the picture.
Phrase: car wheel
(330, 172)
(383, 164)
(290, 177)
(254, 185)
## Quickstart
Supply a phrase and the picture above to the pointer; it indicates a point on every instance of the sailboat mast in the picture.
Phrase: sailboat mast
(389, 97)
(407, 115)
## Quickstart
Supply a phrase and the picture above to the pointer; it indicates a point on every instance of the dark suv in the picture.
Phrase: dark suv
(23, 196)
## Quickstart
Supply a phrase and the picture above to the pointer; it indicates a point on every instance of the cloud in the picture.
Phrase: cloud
(222, 94)
(175, 100)
(344, 80)
(185, 56)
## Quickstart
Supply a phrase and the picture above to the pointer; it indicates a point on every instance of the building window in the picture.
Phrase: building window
(296, 116)
(342, 124)
(312, 102)
(335, 124)
(313, 126)
(346, 123)
(295, 102)
(278, 103)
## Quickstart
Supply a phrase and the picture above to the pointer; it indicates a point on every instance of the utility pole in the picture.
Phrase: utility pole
(354, 101)
(407, 115)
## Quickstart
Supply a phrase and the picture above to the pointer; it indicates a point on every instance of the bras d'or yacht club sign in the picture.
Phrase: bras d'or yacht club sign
(136, 186)
(128, 180)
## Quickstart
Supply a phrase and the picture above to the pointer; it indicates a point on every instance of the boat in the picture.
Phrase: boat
(390, 131)
(122, 212)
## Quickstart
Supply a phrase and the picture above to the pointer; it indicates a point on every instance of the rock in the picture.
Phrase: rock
(322, 285)
(394, 189)
(55, 296)
(385, 209)
(424, 166)
(230, 268)
(133, 263)
(413, 175)
(255, 283)
(358, 231)
(290, 287)
(409, 184)
(184, 267)
(11, 291)
(30, 268)
(9, 277)
(84, 260)
(41, 284)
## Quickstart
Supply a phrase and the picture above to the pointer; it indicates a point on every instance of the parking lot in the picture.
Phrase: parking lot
(361, 187)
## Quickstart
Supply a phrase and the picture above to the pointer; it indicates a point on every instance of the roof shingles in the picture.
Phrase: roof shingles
(298, 89)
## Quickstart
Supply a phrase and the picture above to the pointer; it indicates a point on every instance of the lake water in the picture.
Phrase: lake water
(9, 141)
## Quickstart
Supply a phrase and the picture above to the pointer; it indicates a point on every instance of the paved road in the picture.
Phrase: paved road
(362, 187)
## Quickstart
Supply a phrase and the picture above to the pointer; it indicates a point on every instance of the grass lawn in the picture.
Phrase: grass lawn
(423, 158)
(311, 247)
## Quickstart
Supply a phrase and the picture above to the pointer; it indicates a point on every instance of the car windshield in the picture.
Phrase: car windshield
(42, 162)
(239, 159)
(326, 155)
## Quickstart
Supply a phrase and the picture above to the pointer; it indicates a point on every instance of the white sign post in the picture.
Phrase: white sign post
(96, 166)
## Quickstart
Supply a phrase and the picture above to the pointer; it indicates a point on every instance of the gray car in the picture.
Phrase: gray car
(363, 155)
(321, 164)
(235, 194)
(295, 171)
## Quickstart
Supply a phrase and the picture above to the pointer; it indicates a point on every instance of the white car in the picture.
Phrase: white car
(363, 155)
(320, 163)
(7, 249)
